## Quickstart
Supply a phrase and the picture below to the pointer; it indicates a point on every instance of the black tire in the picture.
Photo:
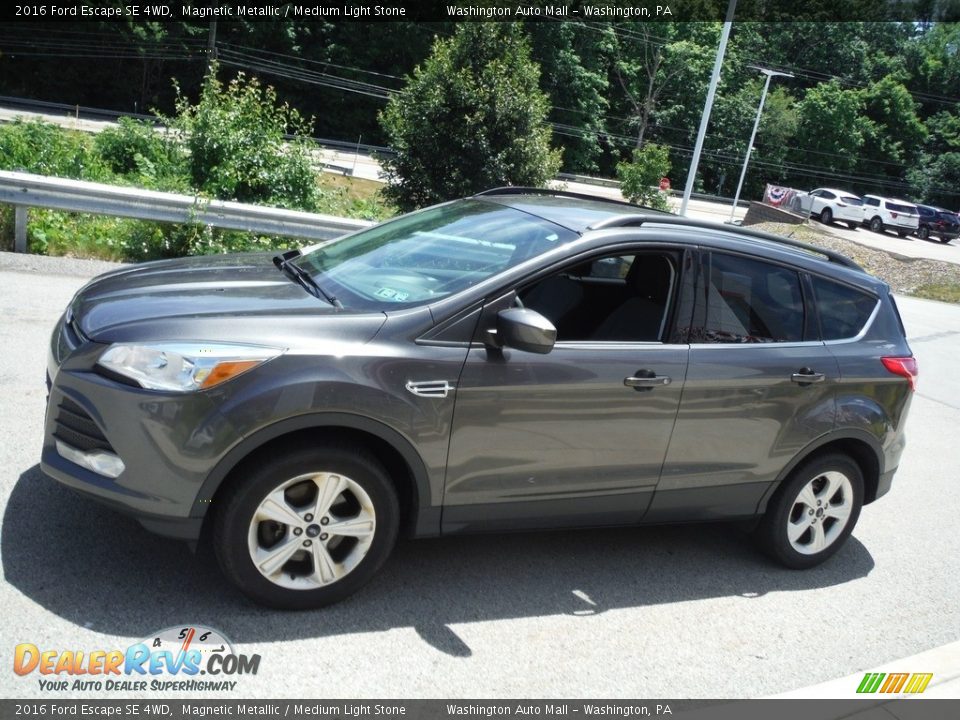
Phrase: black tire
(771, 534)
(924, 232)
(876, 224)
(234, 514)
(945, 240)
(852, 224)
(901, 234)
(826, 216)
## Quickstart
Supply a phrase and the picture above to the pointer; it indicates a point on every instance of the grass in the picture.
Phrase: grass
(942, 291)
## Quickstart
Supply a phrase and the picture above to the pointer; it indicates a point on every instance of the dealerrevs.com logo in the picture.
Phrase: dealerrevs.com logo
(187, 658)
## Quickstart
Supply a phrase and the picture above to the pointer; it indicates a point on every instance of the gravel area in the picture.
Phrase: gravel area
(45, 265)
(904, 275)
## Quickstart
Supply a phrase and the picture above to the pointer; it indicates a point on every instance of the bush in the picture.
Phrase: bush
(43, 148)
(236, 138)
(640, 178)
(472, 117)
(152, 158)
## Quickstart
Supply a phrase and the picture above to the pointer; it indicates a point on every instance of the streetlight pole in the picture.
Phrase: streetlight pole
(753, 135)
(707, 107)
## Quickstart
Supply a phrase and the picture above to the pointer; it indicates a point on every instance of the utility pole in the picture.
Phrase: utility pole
(211, 45)
(753, 135)
(708, 106)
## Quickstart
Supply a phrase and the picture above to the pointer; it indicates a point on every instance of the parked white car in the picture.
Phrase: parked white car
(881, 214)
(830, 204)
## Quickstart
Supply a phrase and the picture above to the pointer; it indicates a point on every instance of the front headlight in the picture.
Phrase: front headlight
(183, 367)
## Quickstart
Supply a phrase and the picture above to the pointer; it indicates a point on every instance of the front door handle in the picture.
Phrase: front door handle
(806, 376)
(646, 380)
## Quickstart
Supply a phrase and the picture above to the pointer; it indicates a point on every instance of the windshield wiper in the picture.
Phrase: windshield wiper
(298, 274)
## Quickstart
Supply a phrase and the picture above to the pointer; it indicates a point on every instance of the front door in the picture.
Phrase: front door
(577, 436)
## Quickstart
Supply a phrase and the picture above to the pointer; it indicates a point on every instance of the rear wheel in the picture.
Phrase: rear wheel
(901, 233)
(308, 528)
(876, 225)
(826, 216)
(813, 512)
(852, 224)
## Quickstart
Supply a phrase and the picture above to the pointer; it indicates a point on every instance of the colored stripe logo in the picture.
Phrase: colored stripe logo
(908, 683)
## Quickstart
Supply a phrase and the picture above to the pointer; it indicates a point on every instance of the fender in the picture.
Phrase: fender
(426, 518)
(833, 436)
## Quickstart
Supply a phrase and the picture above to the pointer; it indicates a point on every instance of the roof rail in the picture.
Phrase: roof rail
(520, 190)
(634, 220)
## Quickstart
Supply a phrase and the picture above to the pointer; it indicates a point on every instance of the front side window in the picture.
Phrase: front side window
(616, 298)
(742, 300)
(430, 254)
(827, 195)
(843, 310)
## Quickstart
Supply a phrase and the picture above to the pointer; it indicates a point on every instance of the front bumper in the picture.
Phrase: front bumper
(167, 443)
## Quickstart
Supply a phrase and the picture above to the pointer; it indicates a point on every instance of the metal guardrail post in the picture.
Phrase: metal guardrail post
(20, 228)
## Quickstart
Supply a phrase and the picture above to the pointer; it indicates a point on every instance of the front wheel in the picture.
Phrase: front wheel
(813, 512)
(826, 216)
(308, 527)
(924, 233)
(876, 225)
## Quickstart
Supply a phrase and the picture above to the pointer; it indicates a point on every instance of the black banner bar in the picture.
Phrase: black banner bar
(857, 709)
(480, 10)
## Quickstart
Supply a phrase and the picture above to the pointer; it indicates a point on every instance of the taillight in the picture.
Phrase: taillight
(904, 367)
(893, 215)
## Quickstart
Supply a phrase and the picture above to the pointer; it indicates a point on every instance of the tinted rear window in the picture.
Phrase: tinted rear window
(750, 301)
(897, 207)
(843, 310)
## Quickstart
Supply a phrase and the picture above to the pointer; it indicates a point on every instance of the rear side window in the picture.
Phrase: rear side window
(843, 310)
(872, 201)
(851, 200)
(749, 301)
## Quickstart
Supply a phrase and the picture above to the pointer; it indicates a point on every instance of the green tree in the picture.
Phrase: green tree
(471, 117)
(574, 75)
(238, 146)
(894, 134)
(936, 175)
(640, 178)
(830, 125)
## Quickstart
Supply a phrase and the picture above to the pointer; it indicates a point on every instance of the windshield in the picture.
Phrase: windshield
(429, 254)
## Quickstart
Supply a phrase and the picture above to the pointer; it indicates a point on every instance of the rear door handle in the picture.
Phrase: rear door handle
(806, 376)
(646, 380)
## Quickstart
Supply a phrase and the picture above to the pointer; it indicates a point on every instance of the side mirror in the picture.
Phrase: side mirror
(525, 329)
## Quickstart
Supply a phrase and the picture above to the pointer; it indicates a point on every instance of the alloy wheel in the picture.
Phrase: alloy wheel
(820, 512)
(311, 530)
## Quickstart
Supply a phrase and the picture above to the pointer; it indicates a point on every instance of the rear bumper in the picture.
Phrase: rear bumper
(883, 483)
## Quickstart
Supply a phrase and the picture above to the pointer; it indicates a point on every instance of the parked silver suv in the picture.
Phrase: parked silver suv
(519, 359)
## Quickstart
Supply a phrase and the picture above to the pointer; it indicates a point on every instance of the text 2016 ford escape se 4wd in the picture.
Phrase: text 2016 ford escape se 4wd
(518, 359)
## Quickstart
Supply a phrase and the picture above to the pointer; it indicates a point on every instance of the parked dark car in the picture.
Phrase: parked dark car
(939, 223)
(519, 359)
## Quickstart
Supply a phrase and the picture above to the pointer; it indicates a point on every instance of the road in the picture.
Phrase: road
(648, 612)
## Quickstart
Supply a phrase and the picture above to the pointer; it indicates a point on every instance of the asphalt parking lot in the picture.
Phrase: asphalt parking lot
(664, 612)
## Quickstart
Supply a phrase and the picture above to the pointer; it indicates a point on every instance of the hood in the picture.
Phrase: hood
(198, 297)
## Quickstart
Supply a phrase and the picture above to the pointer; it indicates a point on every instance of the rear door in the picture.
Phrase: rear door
(760, 387)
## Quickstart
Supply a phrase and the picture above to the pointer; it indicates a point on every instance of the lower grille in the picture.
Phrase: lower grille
(77, 429)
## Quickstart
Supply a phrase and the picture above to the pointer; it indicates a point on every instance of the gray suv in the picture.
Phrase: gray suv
(520, 359)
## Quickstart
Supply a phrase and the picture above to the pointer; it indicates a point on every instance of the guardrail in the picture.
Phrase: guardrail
(23, 190)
